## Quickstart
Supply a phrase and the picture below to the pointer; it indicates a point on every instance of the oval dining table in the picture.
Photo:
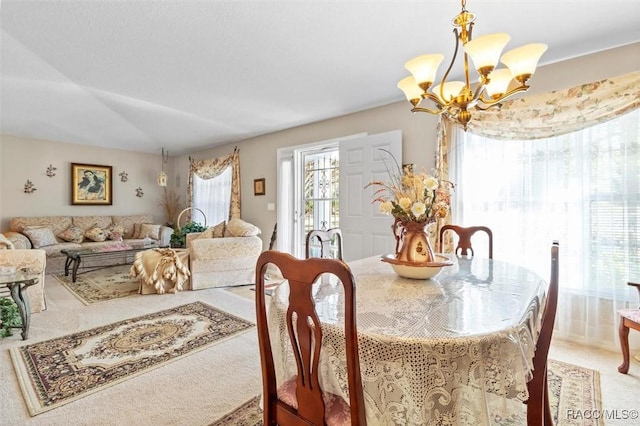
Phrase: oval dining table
(456, 349)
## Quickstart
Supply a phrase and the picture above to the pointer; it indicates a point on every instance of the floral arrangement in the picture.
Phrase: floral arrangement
(412, 197)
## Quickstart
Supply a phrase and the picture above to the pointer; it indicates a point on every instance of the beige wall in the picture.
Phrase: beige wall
(23, 159)
(258, 155)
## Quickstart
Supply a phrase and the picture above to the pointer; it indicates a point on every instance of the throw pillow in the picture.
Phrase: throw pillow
(149, 230)
(72, 234)
(40, 236)
(95, 234)
(240, 228)
(6, 243)
(114, 232)
(218, 230)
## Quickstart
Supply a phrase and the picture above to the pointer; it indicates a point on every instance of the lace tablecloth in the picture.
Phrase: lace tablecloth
(453, 350)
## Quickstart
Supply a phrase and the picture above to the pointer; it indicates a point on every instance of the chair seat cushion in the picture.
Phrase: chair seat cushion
(337, 409)
(632, 314)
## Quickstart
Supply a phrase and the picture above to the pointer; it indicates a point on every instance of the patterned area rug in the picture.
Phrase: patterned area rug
(571, 389)
(101, 285)
(61, 370)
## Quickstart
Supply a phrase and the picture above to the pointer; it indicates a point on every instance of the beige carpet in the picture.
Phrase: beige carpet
(57, 371)
(571, 389)
(202, 387)
(101, 285)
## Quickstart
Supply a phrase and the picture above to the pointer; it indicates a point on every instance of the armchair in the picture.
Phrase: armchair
(222, 262)
(36, 260)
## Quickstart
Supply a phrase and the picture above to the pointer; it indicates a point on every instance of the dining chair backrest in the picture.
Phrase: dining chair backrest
(538, 411)
(280, 400)
(325, 237)
(464, 238)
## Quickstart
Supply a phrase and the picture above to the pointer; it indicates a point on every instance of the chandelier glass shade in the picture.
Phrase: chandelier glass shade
(456, 99)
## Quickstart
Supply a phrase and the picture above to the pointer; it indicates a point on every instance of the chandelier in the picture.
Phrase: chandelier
(455, 99)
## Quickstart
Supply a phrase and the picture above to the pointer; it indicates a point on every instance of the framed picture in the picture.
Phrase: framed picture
(258, 187)
(91, 184)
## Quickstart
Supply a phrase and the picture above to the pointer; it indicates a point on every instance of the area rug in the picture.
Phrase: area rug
(57, 371)
(572, 389)
(101, 285)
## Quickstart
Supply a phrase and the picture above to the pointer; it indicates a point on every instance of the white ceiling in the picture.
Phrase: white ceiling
(187, 75)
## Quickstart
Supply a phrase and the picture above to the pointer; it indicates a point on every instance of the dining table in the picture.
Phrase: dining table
(455, 349)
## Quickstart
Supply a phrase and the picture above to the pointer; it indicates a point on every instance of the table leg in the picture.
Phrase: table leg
(67, 263)
(623, 334)
(23, 307)
(76, 264)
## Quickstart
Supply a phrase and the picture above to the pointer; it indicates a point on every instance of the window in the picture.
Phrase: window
(213, 197)
(582, 189)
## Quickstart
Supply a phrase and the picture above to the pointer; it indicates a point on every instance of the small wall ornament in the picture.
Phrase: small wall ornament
(29, 188)
(123, 176)
(51, 171)
(139, 192)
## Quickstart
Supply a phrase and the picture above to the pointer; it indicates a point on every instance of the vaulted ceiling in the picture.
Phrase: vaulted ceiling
(187, 75)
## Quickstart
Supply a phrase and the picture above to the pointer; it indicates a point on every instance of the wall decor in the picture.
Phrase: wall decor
(258, 187)
(139, 192)
(29, 188)
(91, 184)
(123, 176)
(51, 171)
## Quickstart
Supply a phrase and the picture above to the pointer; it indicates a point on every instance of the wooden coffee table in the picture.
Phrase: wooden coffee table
(118, 254)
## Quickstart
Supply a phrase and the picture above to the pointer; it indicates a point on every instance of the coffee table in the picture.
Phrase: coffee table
(15, 283)
(119, 253)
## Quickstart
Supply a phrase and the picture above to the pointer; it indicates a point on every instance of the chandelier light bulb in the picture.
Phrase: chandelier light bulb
(424, 68)
(523, 60)
(411, 90)
(499, 82)
(450, 90)
(485, 51)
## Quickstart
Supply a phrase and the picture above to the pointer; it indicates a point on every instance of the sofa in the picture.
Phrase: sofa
(55, 233)
(224, 255)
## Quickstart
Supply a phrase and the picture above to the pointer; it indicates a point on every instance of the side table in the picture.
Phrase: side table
(15, 283)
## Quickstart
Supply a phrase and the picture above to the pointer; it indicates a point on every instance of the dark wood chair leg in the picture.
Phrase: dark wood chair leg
(623, 333)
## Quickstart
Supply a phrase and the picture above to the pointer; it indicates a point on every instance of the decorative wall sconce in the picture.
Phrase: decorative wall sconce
(123, 176)
(139, 192)
(29, 188)
(162, 176)
(51, 171)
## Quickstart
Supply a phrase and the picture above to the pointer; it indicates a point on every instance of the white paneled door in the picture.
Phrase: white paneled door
(366, 231)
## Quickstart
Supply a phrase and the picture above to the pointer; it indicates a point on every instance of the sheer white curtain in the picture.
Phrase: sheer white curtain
(581, 188)
(213, 196)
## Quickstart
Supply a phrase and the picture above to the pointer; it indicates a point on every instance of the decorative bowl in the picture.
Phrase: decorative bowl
(417, 271)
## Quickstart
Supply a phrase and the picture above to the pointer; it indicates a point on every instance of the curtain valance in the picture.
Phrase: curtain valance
(559, 112)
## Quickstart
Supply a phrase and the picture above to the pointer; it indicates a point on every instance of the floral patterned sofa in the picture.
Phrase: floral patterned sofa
(55, 233)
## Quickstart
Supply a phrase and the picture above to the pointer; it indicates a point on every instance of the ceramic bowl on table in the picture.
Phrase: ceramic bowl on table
(417, 271)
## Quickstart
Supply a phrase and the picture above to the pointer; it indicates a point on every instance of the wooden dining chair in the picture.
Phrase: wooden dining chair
(464, 238)
(538, 411)
(629, 318)
(325, 237)
(300, 400)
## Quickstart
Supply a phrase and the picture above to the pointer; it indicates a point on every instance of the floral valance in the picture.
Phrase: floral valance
(208, 169)
(559, 112)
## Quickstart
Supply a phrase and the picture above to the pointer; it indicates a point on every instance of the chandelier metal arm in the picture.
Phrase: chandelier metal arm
(488, 103)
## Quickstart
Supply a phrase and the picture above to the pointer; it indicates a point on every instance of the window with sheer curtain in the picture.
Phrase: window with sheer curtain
(213, 196)
(581, 188)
